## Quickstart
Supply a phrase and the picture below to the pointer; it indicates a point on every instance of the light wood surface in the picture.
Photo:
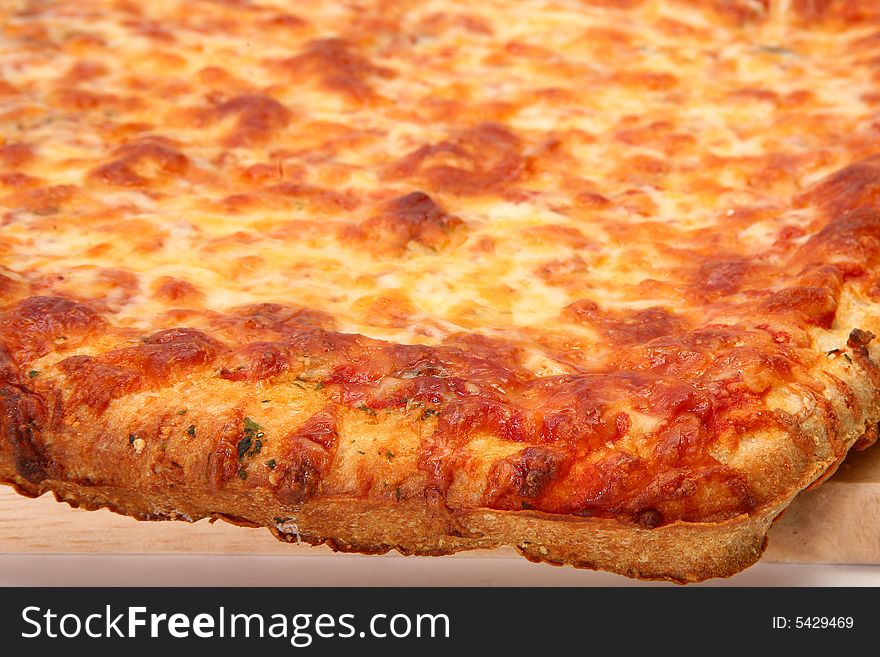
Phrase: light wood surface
(837, 523)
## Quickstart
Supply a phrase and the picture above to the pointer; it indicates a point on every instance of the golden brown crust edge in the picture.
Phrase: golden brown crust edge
(680, 552)
(419, 524)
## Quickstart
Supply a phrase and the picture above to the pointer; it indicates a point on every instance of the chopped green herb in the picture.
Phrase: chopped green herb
(265, 401)
(33, 374)
(191, 430)
(131, 438)
(366, 409)
(244, 445)
(251, 443)
(389, 454)
(252, 427)
(182, 411)
(271, 463)
(847, 356)
(430, 412)
(279, 520)
(361, 452)
(319, 385)
(776, 50)
(832, 352)
(397, 493)
(242, 474)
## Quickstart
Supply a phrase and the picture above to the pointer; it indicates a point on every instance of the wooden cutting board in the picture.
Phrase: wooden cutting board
(837, 523)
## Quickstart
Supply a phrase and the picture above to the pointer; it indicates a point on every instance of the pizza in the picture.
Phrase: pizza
(596, 279)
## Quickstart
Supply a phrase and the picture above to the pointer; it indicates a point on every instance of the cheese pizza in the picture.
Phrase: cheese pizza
(597, 279)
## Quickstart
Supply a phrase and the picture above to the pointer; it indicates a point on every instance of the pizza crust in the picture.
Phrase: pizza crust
(332, 287)
(423, 524)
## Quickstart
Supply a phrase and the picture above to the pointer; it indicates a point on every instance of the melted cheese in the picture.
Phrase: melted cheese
(637, 131)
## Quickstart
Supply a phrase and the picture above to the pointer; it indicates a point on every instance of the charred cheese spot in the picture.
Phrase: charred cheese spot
(639, 326)
(37, 325)
(521, 477)
(308, 457)
(174, 290)
(338, 67)
(222, 461)
(141, 164)
(414, 217)
(21, 418)
(478, 160)
(257, 118)
(854, 186)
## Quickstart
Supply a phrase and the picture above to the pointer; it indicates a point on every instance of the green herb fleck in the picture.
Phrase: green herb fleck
(397, 493)
(319, 385)
(33, 374)
(848, 358)
(832, 352)
(191, 430)
(271, 463)
(430, 412)
(279, 520)
(252, 427)
(361, 452)
(366, 409)
(131, 438)
(182, 411)
(242, 474)
(244, 445)
(776, 50)
(389, 454)
(265, 401)
(251, 443)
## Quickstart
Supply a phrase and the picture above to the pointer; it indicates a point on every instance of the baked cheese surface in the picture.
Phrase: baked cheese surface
(611, 258)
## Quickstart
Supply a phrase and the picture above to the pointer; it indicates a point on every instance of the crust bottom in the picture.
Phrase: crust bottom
(680, 552)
